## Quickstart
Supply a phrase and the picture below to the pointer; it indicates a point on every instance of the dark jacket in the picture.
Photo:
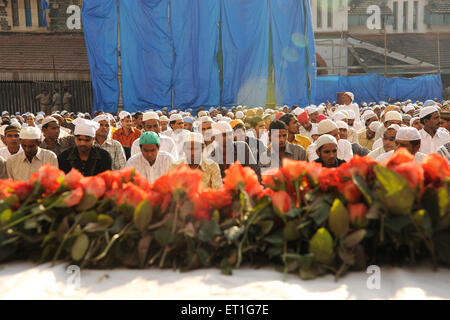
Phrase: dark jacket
(99, 161)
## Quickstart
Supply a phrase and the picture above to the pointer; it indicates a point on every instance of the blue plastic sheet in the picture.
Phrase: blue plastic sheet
(195, 31)
(245, 46)
(100, 31)
(293, 51)
(147, 57)
(375, 88)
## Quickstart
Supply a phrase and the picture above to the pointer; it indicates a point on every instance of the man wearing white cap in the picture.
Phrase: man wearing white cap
(52, 142)
(366, 137)
(327, 146)
(127, 134)
(313, 113)
(388, 142)
(327, 126)
(164, 123)
(22, 165)
(391, 117)
(194, 147)
(432, 137)
(113, 147)
(12, 141)
(408, 138)
(348, 99)
(151, 163)
(177, 132)
(85, 157)
(152, 124)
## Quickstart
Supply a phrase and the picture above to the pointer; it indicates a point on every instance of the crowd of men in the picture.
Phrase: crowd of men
(156, 141)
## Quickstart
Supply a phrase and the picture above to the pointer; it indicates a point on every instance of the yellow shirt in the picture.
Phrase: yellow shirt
(364, 142)
(302, 141)
(211, 177)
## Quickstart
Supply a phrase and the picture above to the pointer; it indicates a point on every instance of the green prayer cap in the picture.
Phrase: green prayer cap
(149, 138)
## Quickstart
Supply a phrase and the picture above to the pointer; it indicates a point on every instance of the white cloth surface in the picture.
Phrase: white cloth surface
(25, 280)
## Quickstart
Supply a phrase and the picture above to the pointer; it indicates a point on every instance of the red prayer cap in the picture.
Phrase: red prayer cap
(303, 117)
(321, 117)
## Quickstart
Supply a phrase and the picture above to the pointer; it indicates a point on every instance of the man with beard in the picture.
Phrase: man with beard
(327, 151)
(12, 142)
(432, 138)
(52, 142)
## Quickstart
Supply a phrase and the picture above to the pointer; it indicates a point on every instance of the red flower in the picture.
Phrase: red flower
(94, 185)
(351, 192)
(293, 169)
(411, 171)
(401, 155)
(21, 189)
(313, 170)
(329, 179)
(357, 212)
(435, 168)
(237, 175)
(273, 178)
(208, 200)
(74, 197)
(131, 194)
(111, 179)
(50, 178)
(281, 202)
(72, 179)
(362, 166)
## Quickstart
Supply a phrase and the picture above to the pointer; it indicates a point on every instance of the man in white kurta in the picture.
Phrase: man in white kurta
(431, 135)
(150, 162)
(409, 138)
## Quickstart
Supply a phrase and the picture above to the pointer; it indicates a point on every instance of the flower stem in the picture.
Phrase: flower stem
(18, 221)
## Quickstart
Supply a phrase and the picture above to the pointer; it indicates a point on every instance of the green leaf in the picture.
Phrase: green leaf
(442, 245)
(275, 238)
(354, 238)
(209, 230)
(305, 260)
(293, 213)
(444, 202)
(87, 202)
(5, 216)
(307, 274)
(321, 245)
(143, 215)
(290, 231)
(339, 220)
(163, 236)
(80, 247)
(396, 224)
(204, 257)
(31, 224)
(266, 226)
(143, 246)
(104, 222)
(320, 215)
(274, 251)
(347, 257)
(363, 188)
(234, 233)
(90, 216)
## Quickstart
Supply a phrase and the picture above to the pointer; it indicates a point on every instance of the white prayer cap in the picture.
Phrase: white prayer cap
(429, 103)
(175, 117)
(150, 116)
(48, 120)
(102, 117)
(321, 109)
(124, 114)
(193, 137)
(84, 127)
(202, 114)
(406, 116)
(342, 125)
(351, 114)
(427, 110)
(39, 117)
(240, 115)
(374, 126)
(351, 95)
(392, 115)
(412, 120)
(227, 119)
(2, 129)
(222, 127)
(314, 131)
(408, 108)
(326, 126)
(325, 139)
(219, 117)
(369, 114)
(311, 109)
(396, 127)
(30, 133)
(163, 119)
(408, 134)
(297, 111)
(338, 116)
(205, 119)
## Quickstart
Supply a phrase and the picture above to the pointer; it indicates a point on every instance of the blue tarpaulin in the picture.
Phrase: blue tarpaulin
(245, 46)
(146, 54)
(293, 51)
(375, 88)
(195, 31)
(100, 25)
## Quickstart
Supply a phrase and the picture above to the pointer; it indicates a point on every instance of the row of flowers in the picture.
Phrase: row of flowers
(309, 219)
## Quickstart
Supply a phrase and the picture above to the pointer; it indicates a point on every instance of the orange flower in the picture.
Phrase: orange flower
(274, 178)
(313, 170)
(293, 169)
(131, 194)
(93, 185)
(237, 175)
(357, 212)
(435, 168)
(110, 179)
(50, 178)
(362, 166)
(329, 179)
(72, 179)
(351, 192)
(21, 189)
(411, 171)
(74, 197)
(401, 155)
(281, 202)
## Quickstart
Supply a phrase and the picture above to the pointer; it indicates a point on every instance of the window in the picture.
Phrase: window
(15, 13)
(405, 16)
(28, 20)
(319, 13)
(395, 9)
(415, 14)
(330, 14)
